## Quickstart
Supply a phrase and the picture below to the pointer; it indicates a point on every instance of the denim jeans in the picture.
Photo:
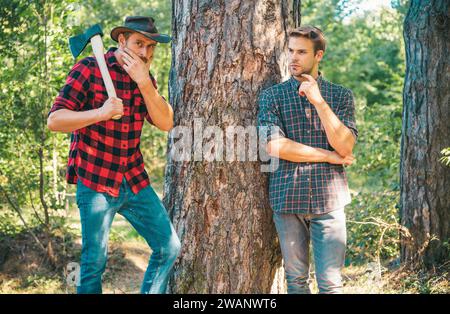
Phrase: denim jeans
(147, 215)
(328, 235)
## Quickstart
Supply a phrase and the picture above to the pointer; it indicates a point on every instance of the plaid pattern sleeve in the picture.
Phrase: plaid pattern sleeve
(269, 117)
(306, 187)
(346, 112)
(74, 93)
(103, 153)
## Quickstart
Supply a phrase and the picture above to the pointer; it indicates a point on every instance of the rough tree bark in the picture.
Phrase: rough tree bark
(425, 182)
(224, 53)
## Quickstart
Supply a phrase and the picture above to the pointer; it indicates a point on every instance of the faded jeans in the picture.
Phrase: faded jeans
(147, 215)
(328, 235)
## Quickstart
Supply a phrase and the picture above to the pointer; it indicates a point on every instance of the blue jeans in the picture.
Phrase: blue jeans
(328, 235)
(147, 215)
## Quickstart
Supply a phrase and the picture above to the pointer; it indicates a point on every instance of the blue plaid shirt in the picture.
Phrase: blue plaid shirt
(306, 187)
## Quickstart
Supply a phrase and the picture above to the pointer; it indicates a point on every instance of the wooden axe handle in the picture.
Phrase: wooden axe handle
(97, 47)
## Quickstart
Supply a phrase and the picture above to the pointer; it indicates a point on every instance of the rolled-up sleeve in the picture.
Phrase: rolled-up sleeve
(269, 119)
(73, 94)
(346, 112)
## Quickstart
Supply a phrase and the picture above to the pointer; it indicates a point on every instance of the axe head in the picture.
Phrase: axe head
(79, 42)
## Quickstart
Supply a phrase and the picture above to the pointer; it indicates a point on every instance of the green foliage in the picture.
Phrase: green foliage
(445, 159)
(33, 38)
(373, 227)
(9, 224)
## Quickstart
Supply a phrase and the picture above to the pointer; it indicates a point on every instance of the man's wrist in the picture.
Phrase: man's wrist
(145, 83)
(148, 89)
(326, 157)
(320, 104)
(99, 115)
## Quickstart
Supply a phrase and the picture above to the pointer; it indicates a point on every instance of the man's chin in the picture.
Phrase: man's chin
(296, 74)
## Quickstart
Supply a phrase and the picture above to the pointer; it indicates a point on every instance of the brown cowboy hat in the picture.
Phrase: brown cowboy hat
(143, 25)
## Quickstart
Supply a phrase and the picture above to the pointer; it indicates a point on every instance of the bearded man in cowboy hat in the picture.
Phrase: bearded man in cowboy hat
(105, 161)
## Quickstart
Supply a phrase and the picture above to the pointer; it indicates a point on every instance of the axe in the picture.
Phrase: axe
(77, 45)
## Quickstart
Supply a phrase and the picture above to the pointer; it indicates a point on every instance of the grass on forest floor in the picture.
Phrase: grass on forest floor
(23, 270)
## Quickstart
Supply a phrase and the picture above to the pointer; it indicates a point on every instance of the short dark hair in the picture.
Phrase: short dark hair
(313, 33)
(127, 34)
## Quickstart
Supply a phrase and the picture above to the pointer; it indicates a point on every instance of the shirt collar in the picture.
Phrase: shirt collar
(111, 59)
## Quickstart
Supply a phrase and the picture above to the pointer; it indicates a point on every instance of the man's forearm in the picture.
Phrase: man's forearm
(339, 136)
(159, 110)
(65, 120)
(290, 150)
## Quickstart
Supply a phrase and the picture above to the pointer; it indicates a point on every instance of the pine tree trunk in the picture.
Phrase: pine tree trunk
(224, 53)
(425, 181)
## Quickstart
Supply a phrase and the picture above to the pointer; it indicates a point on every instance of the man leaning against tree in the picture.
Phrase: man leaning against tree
(312, 133)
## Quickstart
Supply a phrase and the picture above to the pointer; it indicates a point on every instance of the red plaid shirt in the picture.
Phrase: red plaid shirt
(102, 153)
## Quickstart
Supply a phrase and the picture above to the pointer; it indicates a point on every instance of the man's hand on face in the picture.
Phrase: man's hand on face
(311, 90)
(136, 67)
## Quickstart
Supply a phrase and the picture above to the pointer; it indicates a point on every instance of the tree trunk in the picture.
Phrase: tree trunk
(223, 54)
(425, 182)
